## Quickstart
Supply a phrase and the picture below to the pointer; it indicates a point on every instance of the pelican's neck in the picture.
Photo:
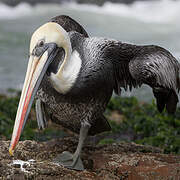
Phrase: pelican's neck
(68, 52)
(67, 74)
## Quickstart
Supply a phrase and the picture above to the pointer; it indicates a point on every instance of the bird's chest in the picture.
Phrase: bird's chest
(60, 105)
(63, 110)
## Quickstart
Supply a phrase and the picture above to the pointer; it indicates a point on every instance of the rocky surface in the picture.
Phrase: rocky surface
(116, 161)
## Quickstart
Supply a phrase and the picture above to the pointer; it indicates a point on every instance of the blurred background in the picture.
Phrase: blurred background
(140, 22)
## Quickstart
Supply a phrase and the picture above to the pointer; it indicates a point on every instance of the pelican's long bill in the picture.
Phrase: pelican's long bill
(37, 67)
(45, 44)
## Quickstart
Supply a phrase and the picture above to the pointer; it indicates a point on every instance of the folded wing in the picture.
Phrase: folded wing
(151, 65)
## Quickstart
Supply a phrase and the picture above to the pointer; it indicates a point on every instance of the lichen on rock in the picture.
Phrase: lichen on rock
(115, 161)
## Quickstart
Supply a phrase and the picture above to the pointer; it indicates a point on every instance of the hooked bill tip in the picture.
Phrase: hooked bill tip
(11, 152)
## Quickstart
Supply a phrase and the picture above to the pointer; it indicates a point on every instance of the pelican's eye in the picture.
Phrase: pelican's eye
(41, 43)
(39, 49)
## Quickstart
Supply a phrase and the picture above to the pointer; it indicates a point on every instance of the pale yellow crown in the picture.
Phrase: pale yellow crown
(51, 33)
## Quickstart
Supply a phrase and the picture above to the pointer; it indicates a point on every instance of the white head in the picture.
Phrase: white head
(50, 33)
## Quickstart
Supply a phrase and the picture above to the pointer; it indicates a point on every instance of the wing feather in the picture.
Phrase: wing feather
(152, 65)
(157, 68)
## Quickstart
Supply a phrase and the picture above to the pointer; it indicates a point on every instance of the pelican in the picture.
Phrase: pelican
(68, 24)
(74, 76)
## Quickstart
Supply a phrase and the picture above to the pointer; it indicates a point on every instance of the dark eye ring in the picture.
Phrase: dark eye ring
(41, 43)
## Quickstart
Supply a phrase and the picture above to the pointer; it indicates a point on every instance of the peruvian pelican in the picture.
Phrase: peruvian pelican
(68, 24)
(74, 76)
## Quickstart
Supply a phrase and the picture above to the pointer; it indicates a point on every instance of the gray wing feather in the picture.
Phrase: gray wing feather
(157, 68)
(152, 65)
(120, 54)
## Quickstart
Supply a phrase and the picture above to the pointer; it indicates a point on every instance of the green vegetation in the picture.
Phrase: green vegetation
(142, 120)
(8, 108)
(147, 124)
(107, 141)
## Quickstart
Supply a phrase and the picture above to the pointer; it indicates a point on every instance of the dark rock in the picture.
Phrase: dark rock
(116, 161)
(25, 165)
(17, 165)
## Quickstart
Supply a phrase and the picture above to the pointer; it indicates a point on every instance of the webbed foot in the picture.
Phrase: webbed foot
(73, 161)
(70, 161)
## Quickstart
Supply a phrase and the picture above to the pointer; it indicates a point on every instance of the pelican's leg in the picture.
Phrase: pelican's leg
(73, 161)
(40, 114)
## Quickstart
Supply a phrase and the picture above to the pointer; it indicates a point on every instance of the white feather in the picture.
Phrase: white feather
(69, 74)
